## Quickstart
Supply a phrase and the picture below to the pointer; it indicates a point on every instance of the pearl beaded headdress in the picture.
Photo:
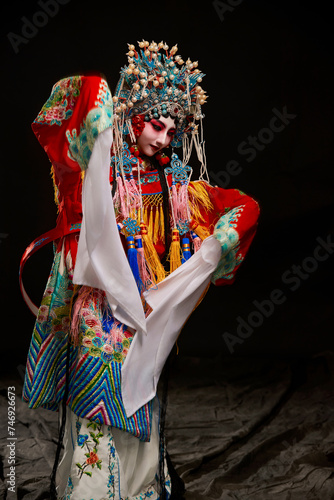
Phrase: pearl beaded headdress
(157, 84)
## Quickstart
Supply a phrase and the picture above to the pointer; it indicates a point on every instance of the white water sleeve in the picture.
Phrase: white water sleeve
(101, 261)
(172, 301)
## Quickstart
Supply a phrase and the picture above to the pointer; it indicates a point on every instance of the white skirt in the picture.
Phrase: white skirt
(102, 462)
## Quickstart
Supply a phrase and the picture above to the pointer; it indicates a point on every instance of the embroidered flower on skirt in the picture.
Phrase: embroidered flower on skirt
(101, 335)
(95, 469)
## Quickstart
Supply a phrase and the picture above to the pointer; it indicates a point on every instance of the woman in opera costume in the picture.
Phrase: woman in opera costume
(136, 246)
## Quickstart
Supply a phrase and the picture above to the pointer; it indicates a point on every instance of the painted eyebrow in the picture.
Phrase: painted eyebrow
(159, 122)
(162, 124)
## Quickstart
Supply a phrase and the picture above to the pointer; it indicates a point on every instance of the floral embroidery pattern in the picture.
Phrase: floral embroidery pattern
(96, 478)
(102, 335)
(97, 120)
(69, 489)
(104, 94)
(111, 466)
(59, 106)
(91, 455)
(54, 309)
(147, 179)
(228, 238)
(82, 438)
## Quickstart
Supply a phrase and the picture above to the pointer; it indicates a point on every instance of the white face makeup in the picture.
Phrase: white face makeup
(157, 135)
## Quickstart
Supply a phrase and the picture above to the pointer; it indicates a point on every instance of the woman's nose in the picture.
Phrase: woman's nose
(161, 140)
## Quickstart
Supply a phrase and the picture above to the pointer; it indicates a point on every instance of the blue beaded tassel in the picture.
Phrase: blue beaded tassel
(133, 261)
(186, 253)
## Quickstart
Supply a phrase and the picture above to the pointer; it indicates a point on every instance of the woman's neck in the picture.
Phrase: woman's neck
(147, 163)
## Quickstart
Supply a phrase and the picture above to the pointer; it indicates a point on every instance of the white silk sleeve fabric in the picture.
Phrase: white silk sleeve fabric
(172, 301)
(101, 261)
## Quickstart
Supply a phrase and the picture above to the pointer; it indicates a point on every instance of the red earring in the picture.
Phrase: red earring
(162, 159)
(134, 150)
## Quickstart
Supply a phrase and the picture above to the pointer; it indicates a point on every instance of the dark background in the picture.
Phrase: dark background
(262, 55)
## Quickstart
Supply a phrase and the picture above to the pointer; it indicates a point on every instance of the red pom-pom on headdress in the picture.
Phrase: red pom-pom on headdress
(138, 124)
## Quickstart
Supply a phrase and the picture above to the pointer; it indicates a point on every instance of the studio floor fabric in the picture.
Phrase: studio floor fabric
(237, 428)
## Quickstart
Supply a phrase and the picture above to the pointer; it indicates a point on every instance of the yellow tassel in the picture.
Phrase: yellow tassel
(175, 251)
(151, 256)
(162, 223)
(150, 224)
(201, 231)
(55, 188)
(156, 227)
(199, 197)
(195, 211)
(199, 193)
(145, 216)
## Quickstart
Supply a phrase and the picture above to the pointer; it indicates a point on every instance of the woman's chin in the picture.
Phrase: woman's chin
(150, 151)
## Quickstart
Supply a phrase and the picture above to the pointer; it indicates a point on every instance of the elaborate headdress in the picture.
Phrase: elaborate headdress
(156, 82)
